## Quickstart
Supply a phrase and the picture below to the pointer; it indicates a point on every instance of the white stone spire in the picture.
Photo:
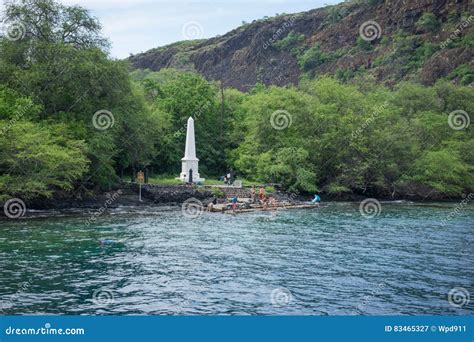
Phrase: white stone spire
(189, 164)
(190, 150)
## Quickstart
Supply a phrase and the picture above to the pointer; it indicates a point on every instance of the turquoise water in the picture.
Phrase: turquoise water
(327, 261)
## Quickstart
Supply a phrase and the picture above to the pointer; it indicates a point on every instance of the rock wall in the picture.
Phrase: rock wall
(239, 192)
(170, 193)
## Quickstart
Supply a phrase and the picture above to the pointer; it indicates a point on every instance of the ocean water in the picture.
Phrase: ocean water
(158, 261)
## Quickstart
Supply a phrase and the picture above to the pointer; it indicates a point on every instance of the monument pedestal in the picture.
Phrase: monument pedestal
(189, 167)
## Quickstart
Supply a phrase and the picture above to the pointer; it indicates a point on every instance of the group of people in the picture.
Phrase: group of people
(261, 194)
(262, 198)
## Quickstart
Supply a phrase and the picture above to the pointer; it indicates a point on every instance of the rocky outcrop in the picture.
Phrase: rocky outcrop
(125, 194)
(441, 64)
(248, 54)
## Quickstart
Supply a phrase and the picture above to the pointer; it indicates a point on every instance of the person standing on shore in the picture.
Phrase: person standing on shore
(316, 200)
(261, 194)
(211, 205)
(234, 203)
(265, 203)
(252, 194)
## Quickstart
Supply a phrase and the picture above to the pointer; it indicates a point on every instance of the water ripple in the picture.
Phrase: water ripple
(332, 261)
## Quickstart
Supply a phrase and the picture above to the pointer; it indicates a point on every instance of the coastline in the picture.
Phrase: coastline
(147, 207)
(160, 196)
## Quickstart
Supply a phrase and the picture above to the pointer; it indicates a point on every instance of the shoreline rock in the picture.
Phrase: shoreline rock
(160, 195)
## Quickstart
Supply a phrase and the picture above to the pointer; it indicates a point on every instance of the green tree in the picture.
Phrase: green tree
(62, 64)
(444, 171)
(51, 22)
(290, 167)
(428, 22)
(36, 160)
(313, 57)
(188, 94)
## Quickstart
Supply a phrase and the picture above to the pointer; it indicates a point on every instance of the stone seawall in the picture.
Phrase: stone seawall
(170, 193)
(239, 192)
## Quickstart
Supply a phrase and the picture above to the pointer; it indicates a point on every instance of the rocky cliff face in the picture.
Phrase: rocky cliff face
(392, 40)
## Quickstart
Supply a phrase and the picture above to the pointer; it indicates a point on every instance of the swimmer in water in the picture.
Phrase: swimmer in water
(107, 242)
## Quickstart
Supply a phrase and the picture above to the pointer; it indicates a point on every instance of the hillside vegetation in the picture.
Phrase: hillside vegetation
(422, 41)
(73, 121)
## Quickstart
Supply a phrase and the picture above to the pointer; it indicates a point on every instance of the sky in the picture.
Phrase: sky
(140, 25)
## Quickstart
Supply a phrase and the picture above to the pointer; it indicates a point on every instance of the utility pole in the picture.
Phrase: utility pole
(222, 109)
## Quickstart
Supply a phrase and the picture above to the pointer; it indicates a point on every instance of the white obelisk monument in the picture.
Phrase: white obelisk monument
(189, 164)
